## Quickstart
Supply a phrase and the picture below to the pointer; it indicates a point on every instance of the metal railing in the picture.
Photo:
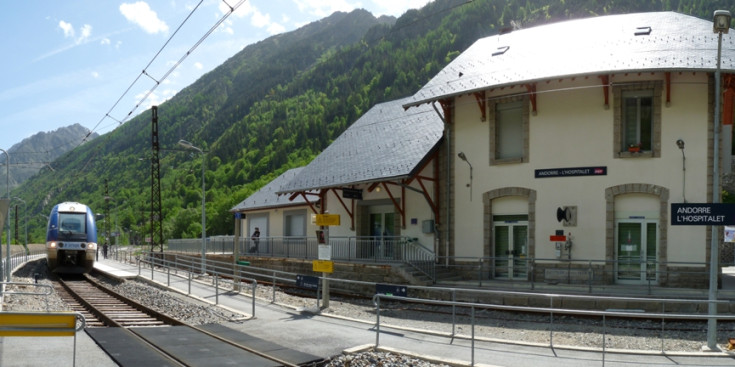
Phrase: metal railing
(383, 249)
(191, 267)
(4, 291)
(659, 308)
(20, 258)
(551, 311)
(580, 274)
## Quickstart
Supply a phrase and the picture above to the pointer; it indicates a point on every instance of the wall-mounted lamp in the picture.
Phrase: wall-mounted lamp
(464, 158)
(680, 144)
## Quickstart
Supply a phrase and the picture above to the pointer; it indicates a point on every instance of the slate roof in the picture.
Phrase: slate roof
(591, 46)
(386, 143)
(267, 196)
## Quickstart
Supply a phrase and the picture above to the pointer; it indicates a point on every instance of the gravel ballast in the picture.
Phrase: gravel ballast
(534, 329)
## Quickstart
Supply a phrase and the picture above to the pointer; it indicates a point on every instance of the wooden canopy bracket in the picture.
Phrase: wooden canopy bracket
(372, 186)
(420, 179)
(398, 205)
(482, 103)
(306, 198)
(350, 212)
(446, 109)
(606, 89)
(531, 88)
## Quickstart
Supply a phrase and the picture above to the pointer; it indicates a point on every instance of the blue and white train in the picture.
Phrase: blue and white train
(71, 238)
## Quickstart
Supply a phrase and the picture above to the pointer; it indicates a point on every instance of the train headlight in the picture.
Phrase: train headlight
(92, 246)
(51, 245)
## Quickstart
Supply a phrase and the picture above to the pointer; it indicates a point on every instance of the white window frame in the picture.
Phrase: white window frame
(621, 146)
(495, 109)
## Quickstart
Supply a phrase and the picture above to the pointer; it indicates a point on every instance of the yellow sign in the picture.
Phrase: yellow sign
(323, 266)
(327, 219)
(37, 324)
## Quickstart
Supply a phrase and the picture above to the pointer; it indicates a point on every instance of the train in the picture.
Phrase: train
(71, 238)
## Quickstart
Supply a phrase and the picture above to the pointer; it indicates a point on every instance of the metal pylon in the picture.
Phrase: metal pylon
(156, 211)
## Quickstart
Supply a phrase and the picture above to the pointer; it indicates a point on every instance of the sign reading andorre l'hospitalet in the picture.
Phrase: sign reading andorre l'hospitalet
(702, 214)
(571, 172)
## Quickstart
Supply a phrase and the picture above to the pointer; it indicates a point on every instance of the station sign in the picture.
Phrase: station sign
(352, 193)
(307, 281)
(327, 219)
(391, 290)
(324, 252)
(322, 266)
(571, 172)
(702, 214)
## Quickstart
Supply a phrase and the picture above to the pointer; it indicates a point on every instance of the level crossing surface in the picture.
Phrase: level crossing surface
(324, 336)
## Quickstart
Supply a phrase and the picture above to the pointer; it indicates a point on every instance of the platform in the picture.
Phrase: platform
(114, 272)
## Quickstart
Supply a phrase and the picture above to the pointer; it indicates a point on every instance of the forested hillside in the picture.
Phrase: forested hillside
(276, 104)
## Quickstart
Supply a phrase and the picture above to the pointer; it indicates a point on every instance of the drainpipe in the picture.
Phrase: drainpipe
(448, 183)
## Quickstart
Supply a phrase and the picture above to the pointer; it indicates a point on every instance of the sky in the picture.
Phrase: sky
(82, 61)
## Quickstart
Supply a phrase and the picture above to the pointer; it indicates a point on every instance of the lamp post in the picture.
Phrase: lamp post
(189, 145)
(463, 157)
(721, 19)
(680, 144)
(25, 223)
(7, 189)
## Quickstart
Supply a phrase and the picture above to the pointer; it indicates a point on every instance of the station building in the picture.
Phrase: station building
(379, 177)
(548, 154)
(572, 140)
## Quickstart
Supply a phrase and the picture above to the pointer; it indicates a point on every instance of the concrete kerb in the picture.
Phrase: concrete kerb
(354, 350)
(722, 353)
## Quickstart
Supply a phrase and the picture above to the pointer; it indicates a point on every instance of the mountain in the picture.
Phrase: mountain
(37, 152)
(278, 103)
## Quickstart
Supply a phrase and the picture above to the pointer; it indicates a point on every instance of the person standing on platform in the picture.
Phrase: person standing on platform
(256, 240)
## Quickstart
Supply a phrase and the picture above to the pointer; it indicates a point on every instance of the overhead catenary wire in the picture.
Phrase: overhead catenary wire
(143, 72)
(158, 82)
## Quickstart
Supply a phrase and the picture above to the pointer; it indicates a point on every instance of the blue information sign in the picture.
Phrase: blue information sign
(391, 290)
(307, 281)
(703, 214)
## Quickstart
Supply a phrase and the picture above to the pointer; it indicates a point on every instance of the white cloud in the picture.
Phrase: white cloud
(198, 65)
(69, 32)
(86, 33)
(275, 28)
(156, 98)
(257, 19)
(260, 20)
(67, 28)
(141, 14)
(397, 8)
(324, 8)
(105, 41)
(95, 75)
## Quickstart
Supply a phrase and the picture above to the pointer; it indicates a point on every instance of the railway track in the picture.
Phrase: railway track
(133, 334)
(104, 308)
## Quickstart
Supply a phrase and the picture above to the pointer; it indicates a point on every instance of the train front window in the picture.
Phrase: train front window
(72, 224)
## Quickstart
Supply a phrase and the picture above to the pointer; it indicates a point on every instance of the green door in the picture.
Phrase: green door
(636, 245)
(382, 232)
(511, 246)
